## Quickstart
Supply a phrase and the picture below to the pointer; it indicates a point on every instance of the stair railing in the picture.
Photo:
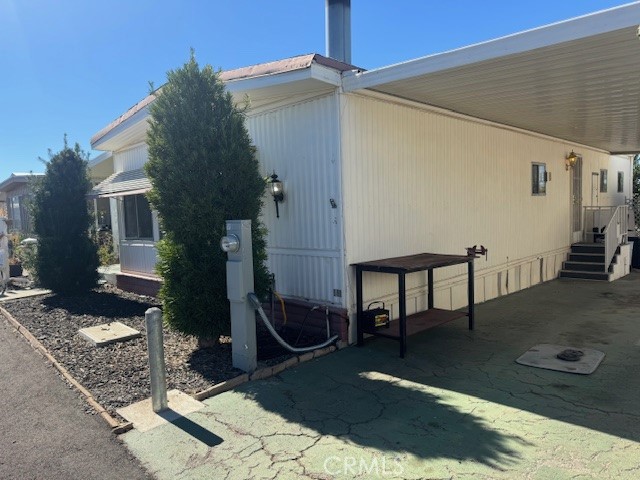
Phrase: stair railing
(608, 225)
(596, 220)
(615, 233)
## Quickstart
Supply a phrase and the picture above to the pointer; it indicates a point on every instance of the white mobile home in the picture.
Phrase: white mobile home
(507, 144)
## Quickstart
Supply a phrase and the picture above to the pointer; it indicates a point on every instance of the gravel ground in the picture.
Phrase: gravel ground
(118, 375)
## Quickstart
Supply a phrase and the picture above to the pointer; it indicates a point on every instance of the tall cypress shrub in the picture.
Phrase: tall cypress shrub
(66, 260)
(204, 171)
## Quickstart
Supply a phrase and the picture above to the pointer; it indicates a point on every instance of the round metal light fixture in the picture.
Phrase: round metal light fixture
(571, 160)
(276, 188)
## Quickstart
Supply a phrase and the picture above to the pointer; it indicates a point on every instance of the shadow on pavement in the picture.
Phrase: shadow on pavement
(384, 412)
(424, 404)
(576, 314)
(190, 427)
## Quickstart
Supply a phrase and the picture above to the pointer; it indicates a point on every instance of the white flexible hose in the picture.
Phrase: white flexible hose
(256, 304)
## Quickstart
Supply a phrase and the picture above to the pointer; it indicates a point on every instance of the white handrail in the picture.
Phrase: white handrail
(615, 233)
(610, 242)
(615, 221)
(595, 221)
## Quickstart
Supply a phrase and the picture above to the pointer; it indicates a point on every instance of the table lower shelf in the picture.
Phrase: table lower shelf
(418, 322)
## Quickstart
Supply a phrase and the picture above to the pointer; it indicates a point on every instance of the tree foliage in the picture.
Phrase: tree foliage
(204, 171)
(66, 259)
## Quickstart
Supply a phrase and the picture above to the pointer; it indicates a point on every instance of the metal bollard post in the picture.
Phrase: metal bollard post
(157, 370)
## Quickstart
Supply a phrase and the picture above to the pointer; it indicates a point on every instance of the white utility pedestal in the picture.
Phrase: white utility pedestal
(238, 246)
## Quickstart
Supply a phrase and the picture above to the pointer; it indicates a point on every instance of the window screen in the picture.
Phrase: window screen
(538, 179)
(620, 182)
(137, 218)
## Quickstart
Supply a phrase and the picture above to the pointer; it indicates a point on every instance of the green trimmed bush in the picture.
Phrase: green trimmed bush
(204, 171)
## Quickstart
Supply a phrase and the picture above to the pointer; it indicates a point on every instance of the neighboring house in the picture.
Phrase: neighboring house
(16, 192)
(15, 195)
(437, 154)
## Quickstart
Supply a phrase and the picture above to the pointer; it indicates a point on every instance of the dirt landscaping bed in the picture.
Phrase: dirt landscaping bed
(117, 375)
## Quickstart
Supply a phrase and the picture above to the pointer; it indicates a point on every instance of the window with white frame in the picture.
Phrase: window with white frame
(604, 180)
(138, 223)
(538, 179)
(620, 182)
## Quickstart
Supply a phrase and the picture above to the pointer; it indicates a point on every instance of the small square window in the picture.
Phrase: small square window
(603, 180)
(538, 179)
(620, 182)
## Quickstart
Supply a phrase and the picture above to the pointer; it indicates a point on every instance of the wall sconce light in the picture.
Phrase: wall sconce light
(571, 160)
(277, 190)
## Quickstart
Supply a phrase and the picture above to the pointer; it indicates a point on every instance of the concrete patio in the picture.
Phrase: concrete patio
(458, 406)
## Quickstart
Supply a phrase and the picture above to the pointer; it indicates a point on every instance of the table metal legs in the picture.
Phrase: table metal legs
(359, 306)
(402, 301)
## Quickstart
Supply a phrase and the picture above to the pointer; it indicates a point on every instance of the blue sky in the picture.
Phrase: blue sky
(72, 66)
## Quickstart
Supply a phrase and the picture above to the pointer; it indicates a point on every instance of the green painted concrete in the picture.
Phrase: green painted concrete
(458, 406)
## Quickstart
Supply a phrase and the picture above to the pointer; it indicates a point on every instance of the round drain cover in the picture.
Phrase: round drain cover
(570, 355)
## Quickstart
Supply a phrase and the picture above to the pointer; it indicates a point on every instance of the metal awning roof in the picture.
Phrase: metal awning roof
(312, 67)
(122, 183)
(577, 80)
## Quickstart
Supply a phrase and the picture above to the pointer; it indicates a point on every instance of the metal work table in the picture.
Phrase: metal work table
(420, 321)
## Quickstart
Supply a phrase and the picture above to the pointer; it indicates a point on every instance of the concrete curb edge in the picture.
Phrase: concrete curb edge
(116, 427)
(264, 373)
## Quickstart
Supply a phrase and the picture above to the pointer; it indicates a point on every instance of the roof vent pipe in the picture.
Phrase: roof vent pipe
(338, 30)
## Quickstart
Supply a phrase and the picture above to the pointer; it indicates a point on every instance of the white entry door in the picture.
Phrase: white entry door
(576, 201)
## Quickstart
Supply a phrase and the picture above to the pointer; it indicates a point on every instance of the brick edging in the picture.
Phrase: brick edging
(265, 372)
(115, 426)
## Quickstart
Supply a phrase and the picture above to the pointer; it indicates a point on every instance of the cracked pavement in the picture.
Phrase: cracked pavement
(458, 406)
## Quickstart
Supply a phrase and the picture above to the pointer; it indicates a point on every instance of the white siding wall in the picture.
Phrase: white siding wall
(300, 143)
(415, 180)
(130, 159)
(613, 165)
(136, 256)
